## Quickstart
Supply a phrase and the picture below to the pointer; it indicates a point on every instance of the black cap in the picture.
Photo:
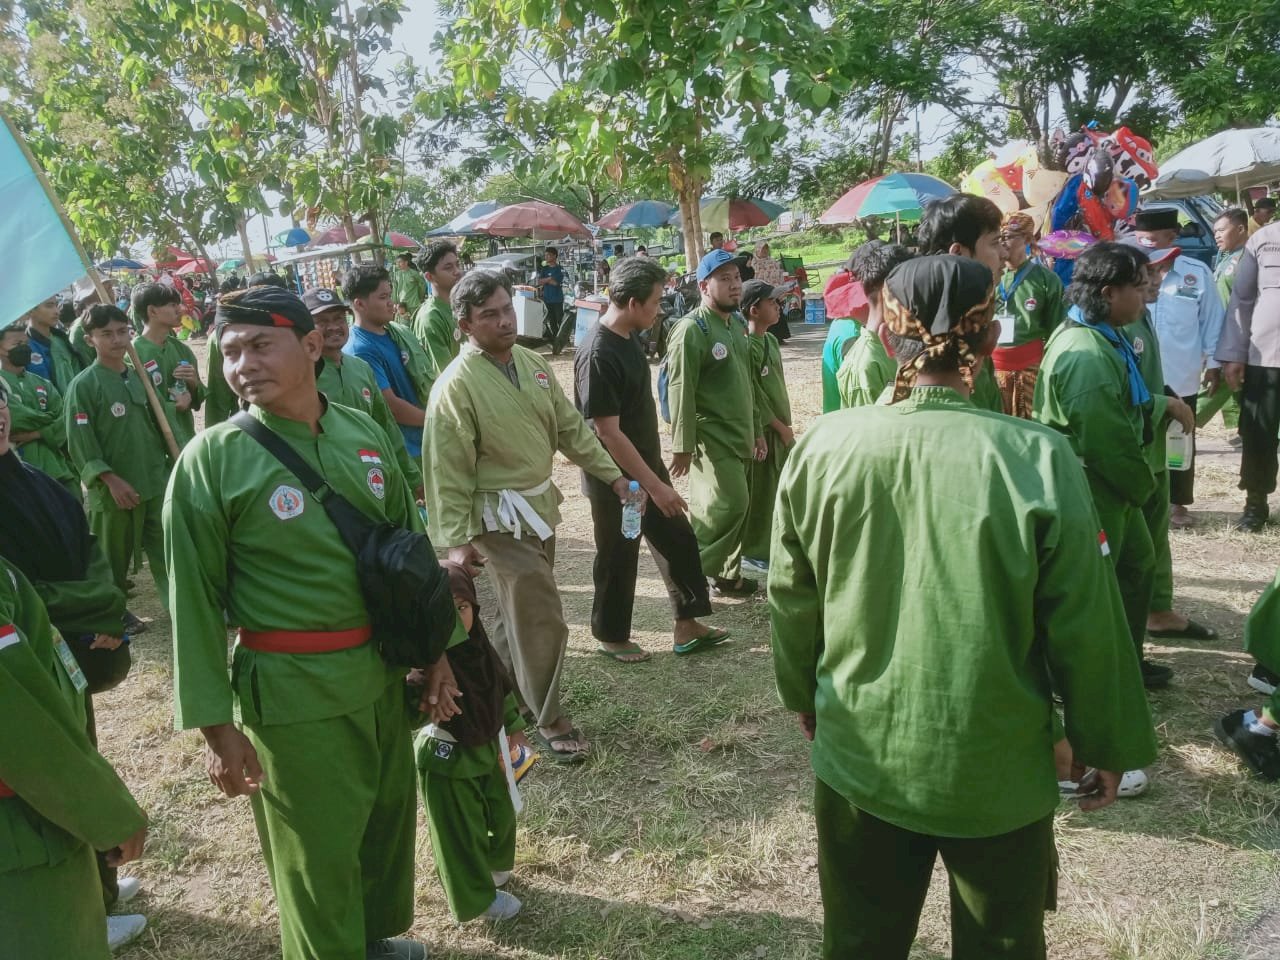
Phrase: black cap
(320, 299)
(1161, 218)
(753, 291)
(264, 307)
(1266, 203)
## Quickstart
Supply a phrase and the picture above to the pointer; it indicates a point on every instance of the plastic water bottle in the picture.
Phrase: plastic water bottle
(1177, 448)
(180, 386)
(631, 512)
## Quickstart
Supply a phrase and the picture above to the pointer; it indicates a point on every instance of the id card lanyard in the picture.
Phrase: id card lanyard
(1005, 317)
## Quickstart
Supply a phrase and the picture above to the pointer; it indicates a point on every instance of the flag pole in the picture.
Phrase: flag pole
(153, 398)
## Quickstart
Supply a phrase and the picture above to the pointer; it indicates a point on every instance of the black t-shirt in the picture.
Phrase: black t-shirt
(611, 379)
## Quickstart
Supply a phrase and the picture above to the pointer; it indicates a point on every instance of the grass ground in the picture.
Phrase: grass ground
(689, 834)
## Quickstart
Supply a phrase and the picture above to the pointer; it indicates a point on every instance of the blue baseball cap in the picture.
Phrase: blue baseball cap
(712, 262)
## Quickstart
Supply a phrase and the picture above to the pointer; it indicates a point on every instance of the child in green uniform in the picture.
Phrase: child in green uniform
(868, 368)
(467, 783)
(168, 361)
(433, 322)
(35, 411)
(118, 449)
(773, 418)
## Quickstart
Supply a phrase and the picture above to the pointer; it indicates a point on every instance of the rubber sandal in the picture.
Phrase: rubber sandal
(522, 761)
(559, 756)
(1192, 631)
(711, 638)
(630, 650)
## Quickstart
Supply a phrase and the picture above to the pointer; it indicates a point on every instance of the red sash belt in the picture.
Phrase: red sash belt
(305, 641)
(5, 790)
(1019, 358)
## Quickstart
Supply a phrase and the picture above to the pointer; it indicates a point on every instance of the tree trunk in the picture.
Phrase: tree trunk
(242, 228)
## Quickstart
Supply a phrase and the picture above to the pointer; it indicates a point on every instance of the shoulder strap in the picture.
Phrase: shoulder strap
(278, 448)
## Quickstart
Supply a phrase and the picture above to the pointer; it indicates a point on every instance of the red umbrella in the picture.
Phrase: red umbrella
(197, 266)
(534, 218)
(338, 234)
(171, 256)
(844, 297)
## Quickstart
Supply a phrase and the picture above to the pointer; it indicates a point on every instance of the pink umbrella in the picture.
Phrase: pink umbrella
(534, 218)
(197, 266)
(338, 234)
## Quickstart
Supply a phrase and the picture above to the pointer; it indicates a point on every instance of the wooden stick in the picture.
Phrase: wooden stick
(157, 409)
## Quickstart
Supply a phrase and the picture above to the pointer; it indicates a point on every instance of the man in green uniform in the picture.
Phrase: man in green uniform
(118, 450)
(1091, 389)
(168, 361)
(433, 323)
(408, 286)
(350, 381)
(1252, 733)
(52, 355)
(715, 433)
(1230, 232)
(35, 409)
(496, 419)
(220, 401)
(59, 799)
(311, 722)
(762, 309)
(930, 554)
(968, 226)
(867, 368)
(1030, 308)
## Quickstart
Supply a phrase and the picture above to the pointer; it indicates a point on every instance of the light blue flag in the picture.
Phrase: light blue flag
(39, 257)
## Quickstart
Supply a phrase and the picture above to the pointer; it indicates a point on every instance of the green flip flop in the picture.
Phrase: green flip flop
(711, 638)
(630, 650)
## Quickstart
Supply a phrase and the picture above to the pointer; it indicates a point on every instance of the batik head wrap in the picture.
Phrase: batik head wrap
(940, 301)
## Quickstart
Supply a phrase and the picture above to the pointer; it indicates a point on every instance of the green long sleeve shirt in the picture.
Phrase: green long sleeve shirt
(408, 287)
(1083, 393)
(66, 793)
(159, 363)
(352, 383)
(932, 566)
(1142, 337)
(1033, 296)
(434, 326)
(110, 429)
(35, 406)
(768, 386)
(866, 371)
(220, 400)
(709, 386)
(485, 435)
(244, 536)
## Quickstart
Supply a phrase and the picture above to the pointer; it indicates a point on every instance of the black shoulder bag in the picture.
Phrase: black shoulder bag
(404, 587)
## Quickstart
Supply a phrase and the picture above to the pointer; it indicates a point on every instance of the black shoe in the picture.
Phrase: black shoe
(1263, 680)
(133, 624)
(742, 587)
(1255, 514)
(1259, 753)
(1155, 676)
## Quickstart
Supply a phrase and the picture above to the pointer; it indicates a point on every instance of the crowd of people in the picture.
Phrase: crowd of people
(997, 472)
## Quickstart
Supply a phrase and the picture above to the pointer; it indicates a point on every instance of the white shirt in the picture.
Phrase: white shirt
(1188, 320)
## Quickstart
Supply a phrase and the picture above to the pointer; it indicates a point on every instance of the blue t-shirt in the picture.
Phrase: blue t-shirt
(840, 335)
(550, 292)
(380, 352)
(41, 357)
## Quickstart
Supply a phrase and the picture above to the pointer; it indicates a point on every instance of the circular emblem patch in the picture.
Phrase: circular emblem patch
(36, 358)
(117, 409)
(404, 357)
(324, 296)
(377, 483)
(764, 371)
(366, 393)
(542, 380)
(287, 502)
(1138, 345)
(719, 351)
(1030, 303)
(1189, 279)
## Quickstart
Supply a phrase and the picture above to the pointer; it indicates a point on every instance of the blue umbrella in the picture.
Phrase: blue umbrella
(295, 237)
(640, 213)
(120, 263)
(901, 195)
(461, 224)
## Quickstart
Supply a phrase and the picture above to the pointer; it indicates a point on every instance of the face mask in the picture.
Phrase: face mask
(20, 355)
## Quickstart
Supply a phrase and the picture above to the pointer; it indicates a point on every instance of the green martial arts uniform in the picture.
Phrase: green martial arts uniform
(986, 391)
(1083, 392)
(866, 371)
(936, 573)
(1032, 296)
(416, 362)
(709, 389)
(159, 363)
(436, 330)
(769, 395)
(352, 384)
(841, 335)
(110, 429)
(220, 400)
(408, 287)
(65, 361)
(35, 406)
(1262, 638)
(335, 814)
(469, 813)
(84, 351)
(61, 799)
(1142, 336)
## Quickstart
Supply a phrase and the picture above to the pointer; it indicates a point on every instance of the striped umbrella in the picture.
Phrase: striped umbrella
(899, 195)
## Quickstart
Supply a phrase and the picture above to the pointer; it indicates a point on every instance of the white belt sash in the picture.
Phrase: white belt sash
(514, 508)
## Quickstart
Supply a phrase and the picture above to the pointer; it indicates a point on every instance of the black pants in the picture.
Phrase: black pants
(675, 550)
(1259, 426)
(1182, 482)
(555, 318)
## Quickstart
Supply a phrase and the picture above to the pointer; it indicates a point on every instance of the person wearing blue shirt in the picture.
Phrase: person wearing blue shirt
(551, 281)
(398, 360)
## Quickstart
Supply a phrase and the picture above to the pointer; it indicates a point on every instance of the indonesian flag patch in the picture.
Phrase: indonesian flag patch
(1103, 547)
(370, 456)
(82, 419)
(8, 636)
(153, 368)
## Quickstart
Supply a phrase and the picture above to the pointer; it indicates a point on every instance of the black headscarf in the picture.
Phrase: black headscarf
(43, 531)
(479, 673)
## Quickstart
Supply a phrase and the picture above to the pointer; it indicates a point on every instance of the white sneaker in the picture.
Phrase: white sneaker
(500, 877)
(124, 929)
(128, 888)
(504, 907)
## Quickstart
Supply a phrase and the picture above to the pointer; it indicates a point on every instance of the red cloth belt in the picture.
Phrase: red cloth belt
(305, 641)
(5, 790)
(1019, 358)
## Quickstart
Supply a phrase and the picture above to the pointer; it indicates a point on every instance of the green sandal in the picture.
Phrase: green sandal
(711, 638)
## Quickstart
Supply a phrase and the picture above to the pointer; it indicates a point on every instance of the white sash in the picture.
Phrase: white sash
(513, 508)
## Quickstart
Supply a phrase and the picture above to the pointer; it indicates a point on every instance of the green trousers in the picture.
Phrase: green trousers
(473, 834)
(1133, 555)
(123, 532)
(718, 499)
(763, 485)
(336, 819)
(1156, 512)
(54, 911)
(1207, 404)
(875, 876)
